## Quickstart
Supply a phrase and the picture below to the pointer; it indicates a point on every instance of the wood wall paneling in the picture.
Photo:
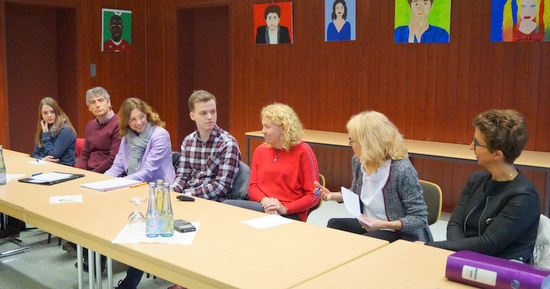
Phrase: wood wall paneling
(430, 91)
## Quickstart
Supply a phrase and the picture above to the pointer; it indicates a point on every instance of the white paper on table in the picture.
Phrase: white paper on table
(351, 201)
(137, 235)
(38, 162)
(66, 199)
(267, 221)
(50, 177)
(111, 184)
(10, 177)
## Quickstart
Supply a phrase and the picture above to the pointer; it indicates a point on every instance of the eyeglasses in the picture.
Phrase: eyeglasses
(350, 141)
(477, 144)
(141, 117)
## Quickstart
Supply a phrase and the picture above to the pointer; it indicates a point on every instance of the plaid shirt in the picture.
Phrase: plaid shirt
(207, 169)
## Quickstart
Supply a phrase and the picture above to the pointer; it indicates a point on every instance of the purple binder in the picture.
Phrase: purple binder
(491, 272)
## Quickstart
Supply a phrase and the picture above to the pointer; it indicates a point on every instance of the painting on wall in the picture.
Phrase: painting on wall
(520, 20)
(116, 32)
(422, 21)
(273, 23)
(340, 20)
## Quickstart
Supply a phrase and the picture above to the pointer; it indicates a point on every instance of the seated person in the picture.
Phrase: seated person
(100, 145)
(283, 156)
(499, 209)
(102, 133)
(55, 137)
(145, 154)
(55, 141)
(210, 156)
(386, 182)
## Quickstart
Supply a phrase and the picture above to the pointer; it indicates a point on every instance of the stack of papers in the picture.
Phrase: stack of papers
(112, 184)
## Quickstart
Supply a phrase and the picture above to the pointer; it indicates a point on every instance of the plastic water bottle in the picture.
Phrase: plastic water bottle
(166, 214)
(2, 168)
(152, 226)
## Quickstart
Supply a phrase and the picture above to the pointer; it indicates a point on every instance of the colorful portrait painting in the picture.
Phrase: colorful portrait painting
(339, 20)
(273, 23)
(520, 20)
(116, 34)
(422, 21)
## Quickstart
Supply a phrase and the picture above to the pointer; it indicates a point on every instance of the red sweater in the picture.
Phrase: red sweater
(289, 179)
(100, 146)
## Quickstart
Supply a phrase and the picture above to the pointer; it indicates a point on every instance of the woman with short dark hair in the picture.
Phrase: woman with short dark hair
(499, 209)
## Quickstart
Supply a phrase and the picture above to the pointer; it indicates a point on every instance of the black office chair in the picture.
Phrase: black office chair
(239, 191)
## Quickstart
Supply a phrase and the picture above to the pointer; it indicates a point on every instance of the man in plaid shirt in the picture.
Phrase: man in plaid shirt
(210, 156)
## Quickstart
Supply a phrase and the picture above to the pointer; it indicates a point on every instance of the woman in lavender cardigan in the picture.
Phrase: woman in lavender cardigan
(144, 154)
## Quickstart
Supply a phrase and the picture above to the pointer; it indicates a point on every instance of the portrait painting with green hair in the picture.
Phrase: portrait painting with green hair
(520, 20)
(422, 21)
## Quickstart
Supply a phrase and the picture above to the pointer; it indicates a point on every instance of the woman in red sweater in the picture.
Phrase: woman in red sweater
(283, 168)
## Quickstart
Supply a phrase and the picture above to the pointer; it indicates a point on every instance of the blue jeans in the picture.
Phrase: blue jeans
(132, 279)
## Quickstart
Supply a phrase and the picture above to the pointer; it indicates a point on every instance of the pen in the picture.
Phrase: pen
(34, 175)
(318, 189)
(137, 185)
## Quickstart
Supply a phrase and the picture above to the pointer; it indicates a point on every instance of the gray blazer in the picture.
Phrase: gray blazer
(403, 199)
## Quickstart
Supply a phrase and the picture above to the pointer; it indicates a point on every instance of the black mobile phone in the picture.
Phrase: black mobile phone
(185, 198)
(183, 226)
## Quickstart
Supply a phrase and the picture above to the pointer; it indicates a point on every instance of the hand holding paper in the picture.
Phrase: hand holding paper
(351, 201)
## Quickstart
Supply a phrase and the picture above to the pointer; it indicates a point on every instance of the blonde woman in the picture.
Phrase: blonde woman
(283, 168)
(386, 182)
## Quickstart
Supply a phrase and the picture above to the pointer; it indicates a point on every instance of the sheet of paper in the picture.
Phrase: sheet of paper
(10, 177)
(38, 162)
(50, 177)
(267, 221)
(66, 199)
(351, 201)
(112, 184)
(136, 235)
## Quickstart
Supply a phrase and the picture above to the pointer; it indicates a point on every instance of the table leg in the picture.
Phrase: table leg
(79, 265)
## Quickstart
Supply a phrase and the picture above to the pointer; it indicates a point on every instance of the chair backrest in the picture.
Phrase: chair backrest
(432, 198)
(322, 183)
(239, 191)
(79, 146)
(176, 160)
(541, 253)
(321, 180)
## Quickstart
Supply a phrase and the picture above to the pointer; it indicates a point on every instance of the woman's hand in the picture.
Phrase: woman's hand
(379, 224)
(273, 206)
(50, 159)
(325, 194)
(44, 126)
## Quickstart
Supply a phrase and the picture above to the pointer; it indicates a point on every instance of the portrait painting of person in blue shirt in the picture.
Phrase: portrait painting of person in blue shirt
(274, 32)
(418, 30)
(338, 13)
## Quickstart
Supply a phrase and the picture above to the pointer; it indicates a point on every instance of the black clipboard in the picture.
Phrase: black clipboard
(39, 180)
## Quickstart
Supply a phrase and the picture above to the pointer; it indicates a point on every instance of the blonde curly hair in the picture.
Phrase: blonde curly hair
(283, 115)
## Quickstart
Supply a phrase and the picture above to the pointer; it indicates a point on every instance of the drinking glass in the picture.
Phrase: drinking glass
(136, 218)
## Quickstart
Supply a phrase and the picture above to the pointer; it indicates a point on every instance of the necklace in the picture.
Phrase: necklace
(277, 155)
